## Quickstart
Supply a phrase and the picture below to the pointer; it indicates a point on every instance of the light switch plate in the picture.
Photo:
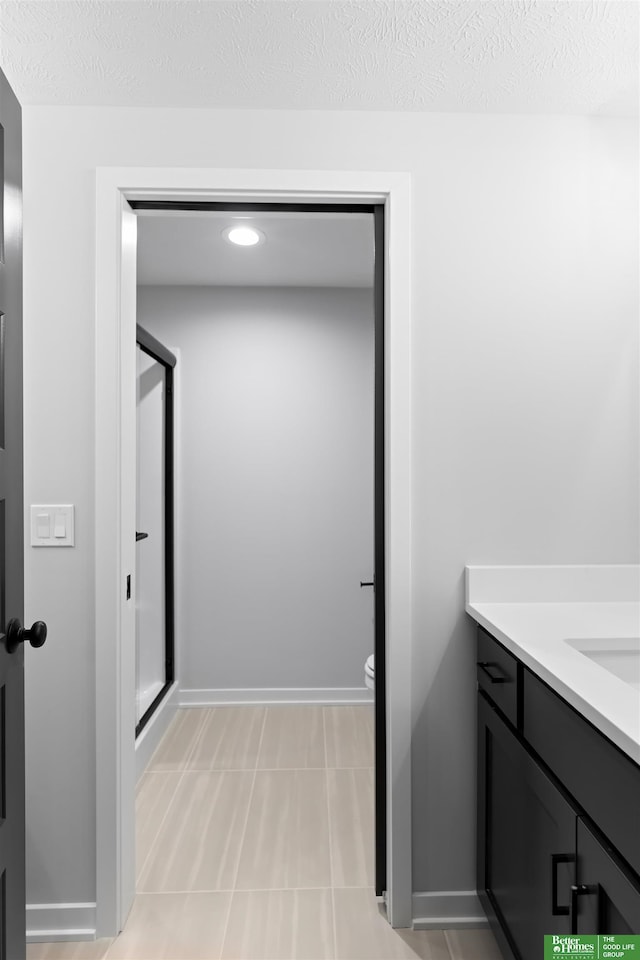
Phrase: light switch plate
(56, 522)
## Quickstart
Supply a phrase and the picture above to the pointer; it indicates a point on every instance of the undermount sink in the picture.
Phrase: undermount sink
(619, 655)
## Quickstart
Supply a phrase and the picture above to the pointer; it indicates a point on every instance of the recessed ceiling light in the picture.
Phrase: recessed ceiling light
(244, 236)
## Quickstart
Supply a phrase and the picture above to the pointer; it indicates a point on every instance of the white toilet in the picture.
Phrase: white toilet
(369, 675)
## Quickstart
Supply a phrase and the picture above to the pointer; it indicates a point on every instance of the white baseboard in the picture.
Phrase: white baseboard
(448, 910)
(320, 695)
(152, 734)
(60, 921)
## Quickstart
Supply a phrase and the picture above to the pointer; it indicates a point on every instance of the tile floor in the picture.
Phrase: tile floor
(255, 842)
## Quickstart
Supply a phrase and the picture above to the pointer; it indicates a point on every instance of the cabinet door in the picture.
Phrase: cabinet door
(526, 840)
(607, 785)
(607, 898)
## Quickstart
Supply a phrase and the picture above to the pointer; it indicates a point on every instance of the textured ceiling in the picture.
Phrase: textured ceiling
(308, 250)
(522, 56)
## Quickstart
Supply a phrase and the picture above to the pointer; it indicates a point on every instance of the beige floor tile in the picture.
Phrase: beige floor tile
(153, 797)
(229, 740)
(472, 945)
(198, 845)
(68, 950)
(178, 742)
(349, 732)
(363, 933)
(280, 925)
(286, 842)
(351, 826)
(425, 944)
(293, 738)
(173, 926)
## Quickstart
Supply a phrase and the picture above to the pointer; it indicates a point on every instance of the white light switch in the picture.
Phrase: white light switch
(43, 525)
(52, 525)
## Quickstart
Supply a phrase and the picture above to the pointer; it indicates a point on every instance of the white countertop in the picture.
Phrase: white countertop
(524, 608)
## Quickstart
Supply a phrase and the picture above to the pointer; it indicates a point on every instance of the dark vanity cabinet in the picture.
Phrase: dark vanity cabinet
(607, 899)
(526, 849)
(545, 864)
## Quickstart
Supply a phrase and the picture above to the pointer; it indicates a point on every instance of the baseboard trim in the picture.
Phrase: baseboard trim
(152, 734)
(448, 910)
(319, 695)
(60, 921)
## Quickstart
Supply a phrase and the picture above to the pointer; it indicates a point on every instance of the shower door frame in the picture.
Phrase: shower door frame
(158, 352)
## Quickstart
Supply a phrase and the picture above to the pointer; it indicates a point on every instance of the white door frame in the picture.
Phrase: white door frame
(115, 465)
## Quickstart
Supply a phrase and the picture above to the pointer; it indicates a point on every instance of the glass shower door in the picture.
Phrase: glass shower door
(154, 526)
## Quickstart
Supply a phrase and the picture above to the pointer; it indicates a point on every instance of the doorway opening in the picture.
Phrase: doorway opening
(346, 244)
(117, 188)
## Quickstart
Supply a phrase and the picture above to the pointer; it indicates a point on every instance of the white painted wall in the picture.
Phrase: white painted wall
(525, 403)
(150, 558)
(276, 438)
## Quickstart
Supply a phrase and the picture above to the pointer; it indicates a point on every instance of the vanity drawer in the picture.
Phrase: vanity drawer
(603, 780)
(497, 673)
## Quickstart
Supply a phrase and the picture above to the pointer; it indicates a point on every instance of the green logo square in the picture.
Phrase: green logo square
(602, 947)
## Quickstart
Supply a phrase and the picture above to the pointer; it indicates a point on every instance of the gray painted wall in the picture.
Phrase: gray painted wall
(276, 482)
(524, 403)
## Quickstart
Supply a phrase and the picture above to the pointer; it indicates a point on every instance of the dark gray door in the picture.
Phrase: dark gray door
(12, 890)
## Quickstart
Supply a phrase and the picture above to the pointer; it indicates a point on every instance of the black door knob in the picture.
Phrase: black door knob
(16, 634)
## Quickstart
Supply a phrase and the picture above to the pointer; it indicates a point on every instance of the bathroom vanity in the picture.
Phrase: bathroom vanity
(558, 842)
